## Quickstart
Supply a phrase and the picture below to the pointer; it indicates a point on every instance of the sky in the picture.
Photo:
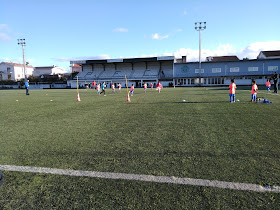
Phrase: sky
(57, 31)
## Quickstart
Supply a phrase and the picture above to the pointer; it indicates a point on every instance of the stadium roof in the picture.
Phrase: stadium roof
(275, 53)
(223, 58)
(124, 60)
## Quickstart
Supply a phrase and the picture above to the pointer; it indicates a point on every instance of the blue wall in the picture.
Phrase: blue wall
(187, 70)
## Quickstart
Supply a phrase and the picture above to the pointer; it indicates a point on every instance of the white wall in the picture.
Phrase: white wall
(16, 72)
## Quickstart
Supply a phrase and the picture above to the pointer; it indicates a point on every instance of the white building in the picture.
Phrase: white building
(14, 71)
(48, 70)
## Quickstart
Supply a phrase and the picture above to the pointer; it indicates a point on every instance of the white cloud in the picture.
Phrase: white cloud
(4, 36)
(185, 12)
(156, 36)
(17, 60)
(120, 30)
(251, 51)
(4, 32)
(179, 30)
(82, 58)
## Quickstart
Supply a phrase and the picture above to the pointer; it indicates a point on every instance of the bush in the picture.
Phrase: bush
(7, 82)
(34, 79)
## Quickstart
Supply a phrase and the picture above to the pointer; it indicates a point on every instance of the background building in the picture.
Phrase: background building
(215, 71)
(137, 70)
(48, 70)
(14, 71)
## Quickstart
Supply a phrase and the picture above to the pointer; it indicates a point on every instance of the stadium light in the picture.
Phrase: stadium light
(22, 43)
(200, 26)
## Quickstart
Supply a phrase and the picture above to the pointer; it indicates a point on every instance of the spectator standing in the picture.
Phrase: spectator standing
(275, 81)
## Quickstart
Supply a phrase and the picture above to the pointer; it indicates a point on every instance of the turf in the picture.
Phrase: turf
(204, 137)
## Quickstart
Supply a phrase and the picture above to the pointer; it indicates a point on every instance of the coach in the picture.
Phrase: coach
(27, 87)
(275, 81)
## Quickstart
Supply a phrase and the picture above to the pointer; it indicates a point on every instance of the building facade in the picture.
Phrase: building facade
(48, 70)
(14, 71)
(220, 73)
(215, 71)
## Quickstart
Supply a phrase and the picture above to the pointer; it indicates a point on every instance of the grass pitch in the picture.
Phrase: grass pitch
(204, 137)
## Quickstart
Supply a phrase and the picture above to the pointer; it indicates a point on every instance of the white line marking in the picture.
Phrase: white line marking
(145, 178)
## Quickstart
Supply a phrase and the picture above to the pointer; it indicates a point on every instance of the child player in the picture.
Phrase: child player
(152, 85)
(120, 87)
(254, 91)
(159, 87)
(268, 85)
(98, 89)
(232, 88)
(132, 89)
(145, 87)
(113, 88)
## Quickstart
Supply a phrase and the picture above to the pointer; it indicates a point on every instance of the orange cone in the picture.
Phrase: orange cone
(128, 98)
(78, 97)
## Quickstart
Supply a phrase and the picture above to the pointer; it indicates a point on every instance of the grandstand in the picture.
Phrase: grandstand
(137, 70)
(216, 71)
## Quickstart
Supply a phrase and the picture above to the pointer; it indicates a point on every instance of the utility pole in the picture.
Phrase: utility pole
(200, 26)
(22, 43)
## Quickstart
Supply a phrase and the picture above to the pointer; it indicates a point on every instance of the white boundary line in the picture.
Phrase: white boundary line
(145, 178)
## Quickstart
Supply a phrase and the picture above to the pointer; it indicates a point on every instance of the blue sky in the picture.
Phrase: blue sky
(57, 31)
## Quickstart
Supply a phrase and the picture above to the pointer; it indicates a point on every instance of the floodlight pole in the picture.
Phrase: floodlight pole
(200, 26)
(22, 43)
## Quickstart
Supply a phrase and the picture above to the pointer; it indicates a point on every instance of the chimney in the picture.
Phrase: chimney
(184, 59)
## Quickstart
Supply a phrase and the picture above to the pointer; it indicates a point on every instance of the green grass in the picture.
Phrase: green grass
(156, 134)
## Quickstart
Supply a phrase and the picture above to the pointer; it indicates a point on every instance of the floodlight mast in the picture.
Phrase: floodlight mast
(200, 26)
(22, 43)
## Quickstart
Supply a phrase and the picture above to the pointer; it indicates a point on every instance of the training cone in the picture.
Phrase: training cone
(128, 98)
(78, 97)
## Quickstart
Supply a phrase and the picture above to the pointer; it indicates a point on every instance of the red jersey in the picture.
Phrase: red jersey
(254, 89)
(268, 84)
(232, 88)
(131, 88)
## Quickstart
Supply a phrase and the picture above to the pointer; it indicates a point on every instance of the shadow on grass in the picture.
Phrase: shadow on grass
(190, 102)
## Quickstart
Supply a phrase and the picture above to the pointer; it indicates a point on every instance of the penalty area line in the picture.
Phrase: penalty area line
(144, 178)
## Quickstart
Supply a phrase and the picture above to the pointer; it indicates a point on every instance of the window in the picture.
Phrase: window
(216, 70)
(253, 69)
(1, 76)
(8, 70)
(9, 76)
(234, 69)
(272, 68)
(197, 71)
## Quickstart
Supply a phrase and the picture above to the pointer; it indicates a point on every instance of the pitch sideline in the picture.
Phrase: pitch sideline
(145, 178)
